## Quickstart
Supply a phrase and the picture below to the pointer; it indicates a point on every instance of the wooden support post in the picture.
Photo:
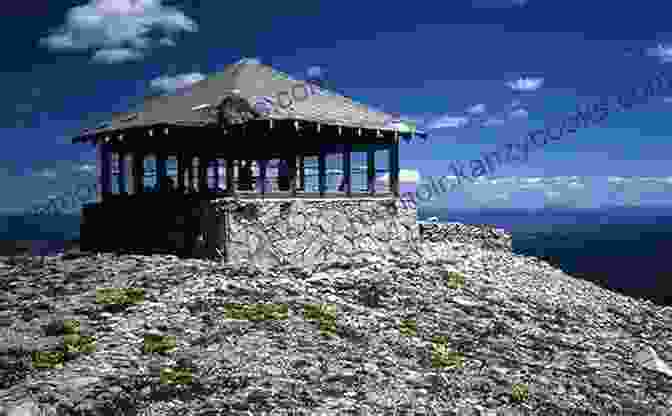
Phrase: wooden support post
(190, 173)
(161, 171)
(291, 167)
(322, 172)
(181, 168)
(202, 174)
(230, 188)
(302, 173)
(121, 179)
(347, 152)
(138, 172)
(262, 175)
(105, 172)
(394, 167)
(371, 171)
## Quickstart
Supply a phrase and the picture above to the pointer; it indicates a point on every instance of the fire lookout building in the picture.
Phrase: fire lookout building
(249, 165)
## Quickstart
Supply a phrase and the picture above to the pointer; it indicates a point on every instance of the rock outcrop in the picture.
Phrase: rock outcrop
(454, 329)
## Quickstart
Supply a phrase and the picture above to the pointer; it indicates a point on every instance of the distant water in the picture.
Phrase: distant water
(41, 235)
(623, 249)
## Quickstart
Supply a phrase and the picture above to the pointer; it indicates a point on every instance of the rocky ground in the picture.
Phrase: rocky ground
(458, 329)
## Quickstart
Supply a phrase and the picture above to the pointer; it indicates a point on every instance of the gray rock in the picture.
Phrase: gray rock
(577, 347)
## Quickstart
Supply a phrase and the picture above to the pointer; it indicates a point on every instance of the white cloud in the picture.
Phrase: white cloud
(405, 176)
(171, 84)
(118, 29)
(476, 109)
(532, 180)
(46, 173)
(662, 52)
(506, 180)
(86, 168)
(617, 179)
(519, 113)
(448, 121)
(248, 61)
(114, 56)
(526, 84)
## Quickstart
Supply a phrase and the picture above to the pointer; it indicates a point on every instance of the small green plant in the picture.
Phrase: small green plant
(454, 280)
(519, 392)
(326, 316)
(440, 339)
(78, 343)
(48, 359)
(442, 357)
(109, 296)
(134, 295)
(71, 326)
(317, 312)
(327, 327)
(159, 343)
(175, 376)
(258, 312)
(118, 296)
(408, 327)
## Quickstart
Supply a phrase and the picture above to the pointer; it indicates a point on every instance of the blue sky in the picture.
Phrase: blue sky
(476, 73)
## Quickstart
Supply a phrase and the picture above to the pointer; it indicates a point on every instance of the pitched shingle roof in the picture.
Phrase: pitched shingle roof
(245, 84)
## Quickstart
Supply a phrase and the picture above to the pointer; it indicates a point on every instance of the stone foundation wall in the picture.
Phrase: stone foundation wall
(487, 236)
(305, 232)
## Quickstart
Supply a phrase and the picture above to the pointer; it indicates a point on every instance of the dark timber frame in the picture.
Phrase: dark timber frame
(256, 140)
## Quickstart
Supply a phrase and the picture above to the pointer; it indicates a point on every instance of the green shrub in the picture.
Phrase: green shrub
(519, 392)
(318, 312)
(118, 296)
(408, 327)
(454, 280)
(134, 296)
(47, 359)
(258, 312)
(78, 343)
(159, 343)
(326, 316)
(440, 339)
(443, 357)
(175, 376)
(71, 326)
(327, 327)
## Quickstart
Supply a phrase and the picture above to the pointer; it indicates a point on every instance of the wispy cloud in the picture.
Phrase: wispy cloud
(117, 29)
(526, 84)
(405, 176)
(519, 113)
(114, 56)
(45, 173)
(250, 61)
(448, 122)
(476, 109)
(662, 52)
(87, 167)
(168, 84)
